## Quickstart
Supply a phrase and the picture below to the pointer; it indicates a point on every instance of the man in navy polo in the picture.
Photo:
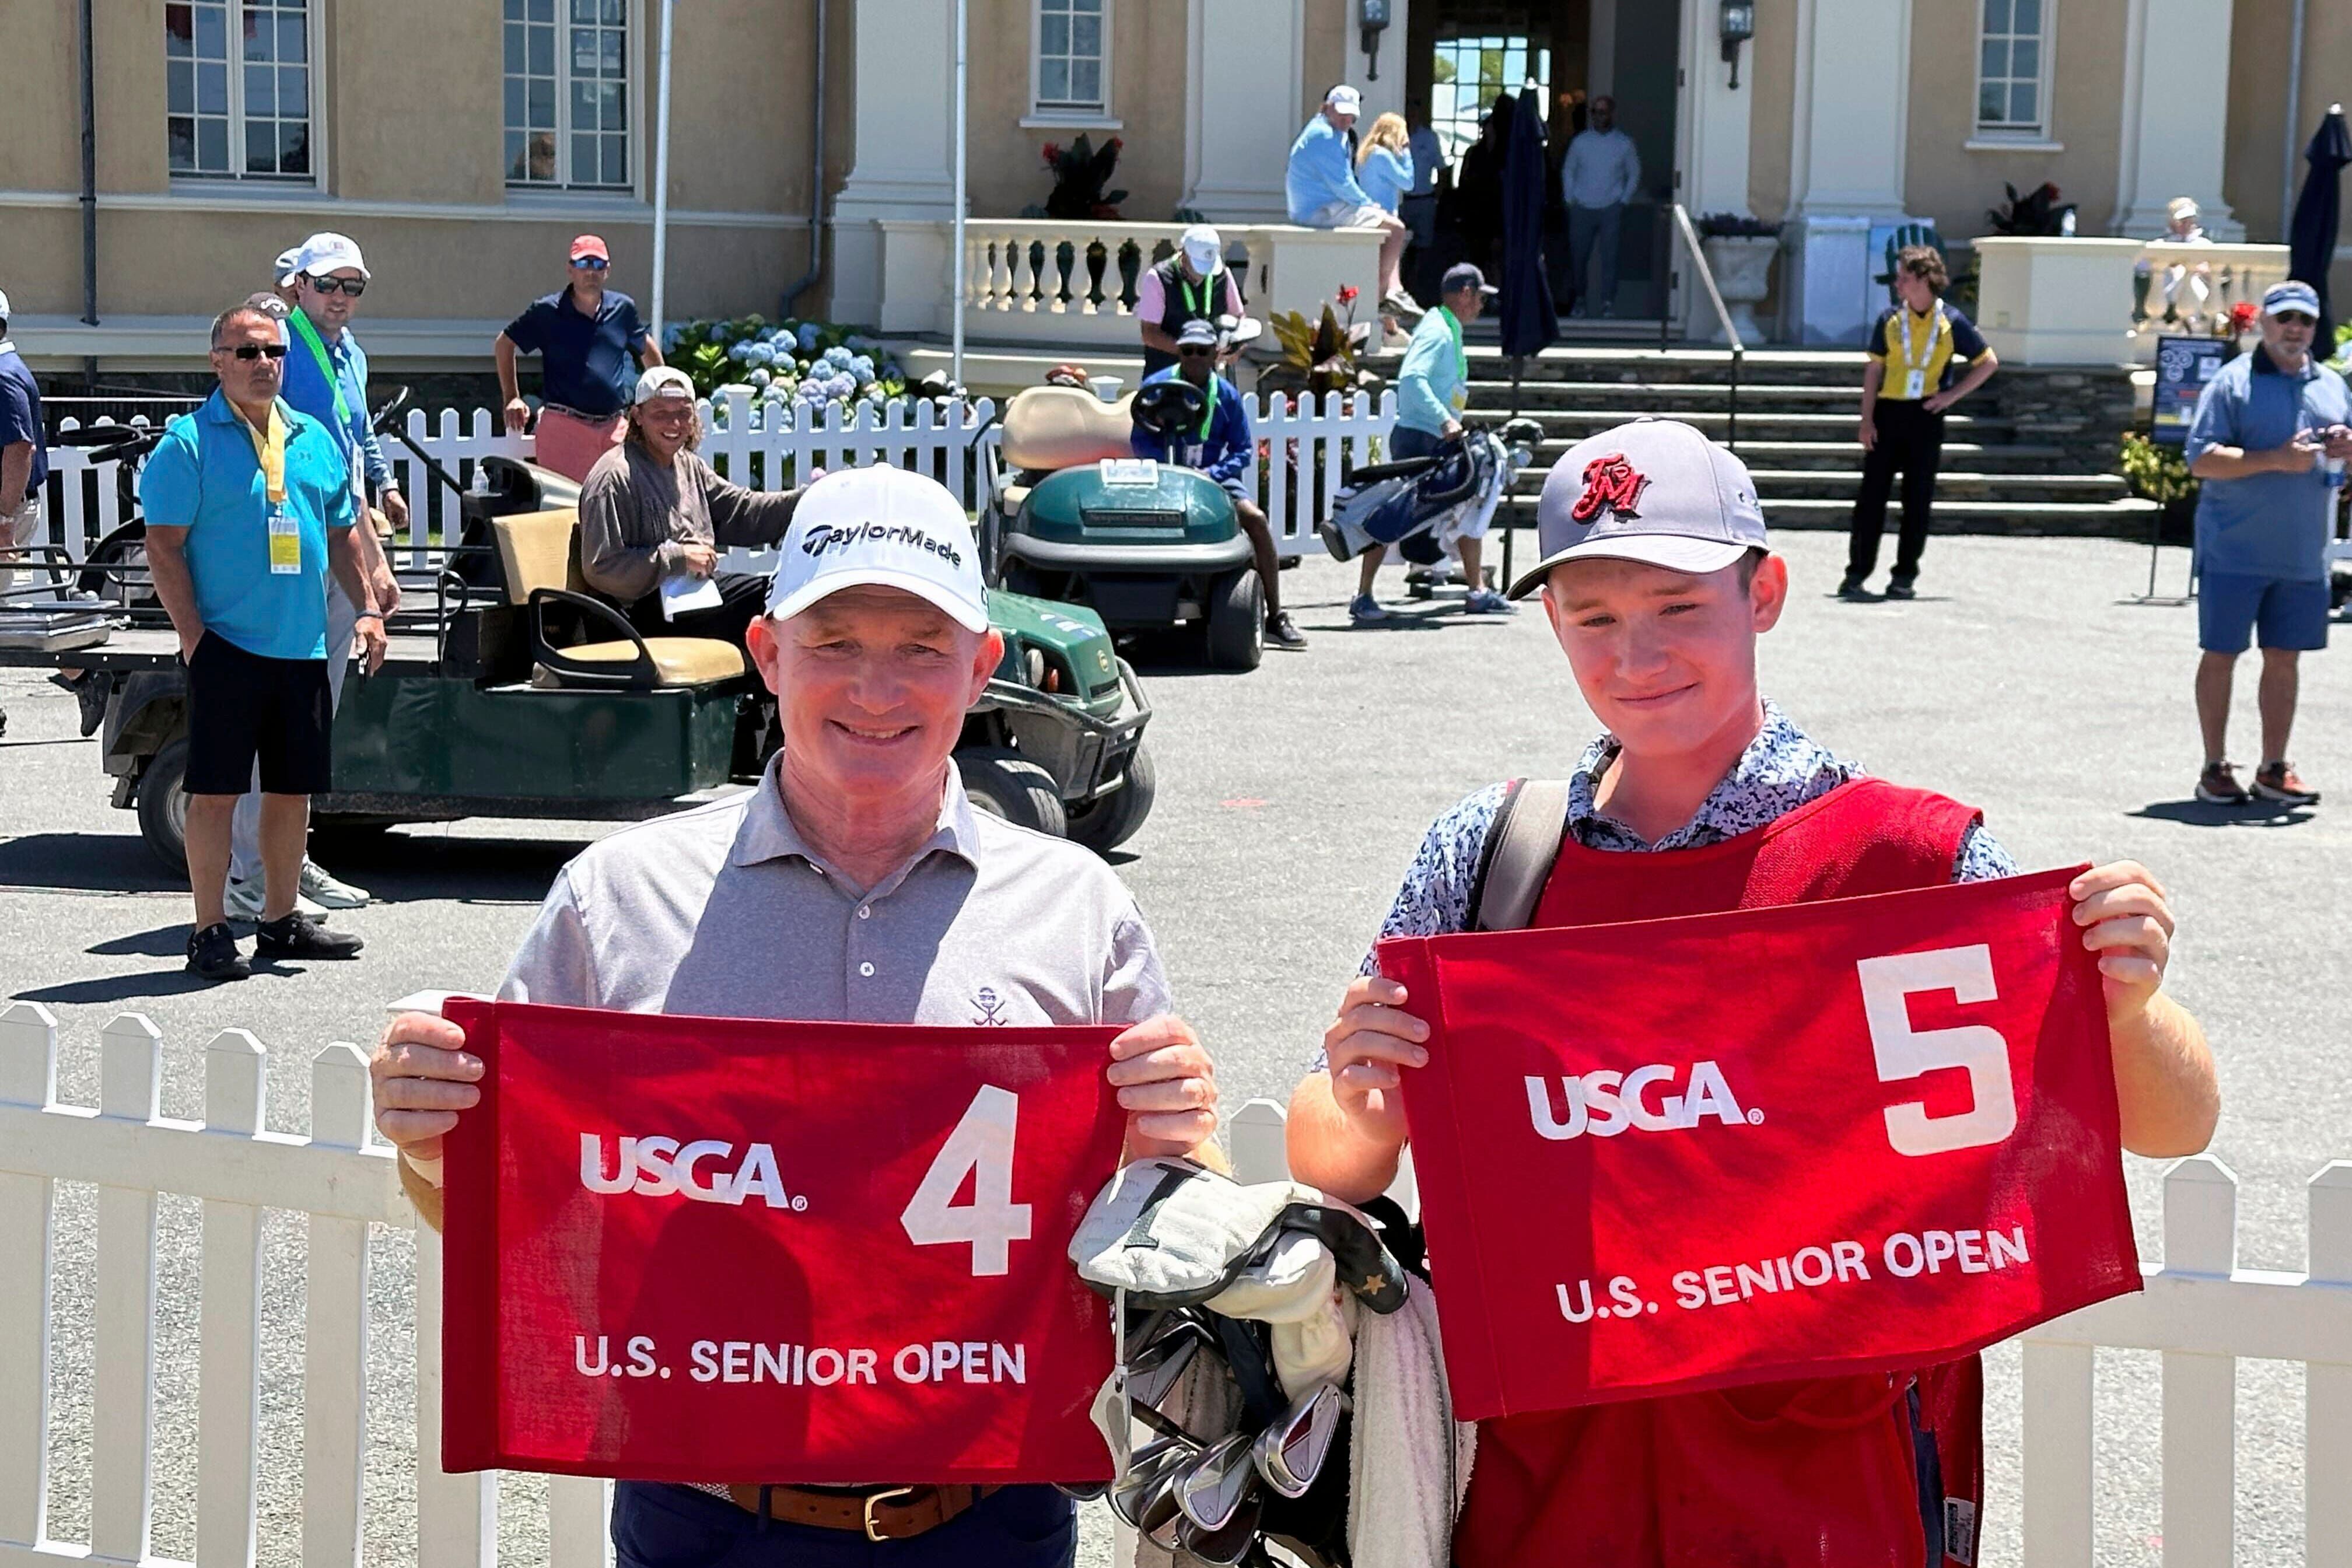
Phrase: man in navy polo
(584, 334)
(24, 458)
(2270, 439)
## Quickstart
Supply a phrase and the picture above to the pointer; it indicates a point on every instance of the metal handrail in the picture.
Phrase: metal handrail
(1722, 315)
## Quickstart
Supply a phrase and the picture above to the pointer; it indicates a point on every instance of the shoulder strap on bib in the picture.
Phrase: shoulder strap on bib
(1517, 858)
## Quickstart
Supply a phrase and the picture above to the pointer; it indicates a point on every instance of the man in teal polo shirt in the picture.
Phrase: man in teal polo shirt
(248, 506)
(1432, 388)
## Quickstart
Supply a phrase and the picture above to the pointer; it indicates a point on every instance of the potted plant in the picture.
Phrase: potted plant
(1739, 251)
(2161, 474)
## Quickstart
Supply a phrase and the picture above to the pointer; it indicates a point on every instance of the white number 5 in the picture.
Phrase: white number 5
(1904, 1052)
(981, 1146)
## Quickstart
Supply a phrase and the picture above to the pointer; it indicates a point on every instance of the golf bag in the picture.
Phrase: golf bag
(1419, 504)
(1237, 1310)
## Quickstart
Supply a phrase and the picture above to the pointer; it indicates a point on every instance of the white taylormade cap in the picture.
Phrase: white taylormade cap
(326, 253)
(1655, 490)
(1203, 249)
(1345, 98)
(290, 262)
(880, 527)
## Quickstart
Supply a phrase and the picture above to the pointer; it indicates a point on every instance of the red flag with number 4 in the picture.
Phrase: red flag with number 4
(1864, 1135)
(698, 1250)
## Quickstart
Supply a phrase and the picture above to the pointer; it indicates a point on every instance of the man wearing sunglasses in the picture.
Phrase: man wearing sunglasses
(326, 378)
(583, 334)
(249, 506)
(2270, 439)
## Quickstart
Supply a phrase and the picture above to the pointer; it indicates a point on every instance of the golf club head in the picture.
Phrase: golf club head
(1230, 1544)
(1291, 1453)
(1161, 1516)
(1151, 1465)
(1211, 1488)
(1154, 1370)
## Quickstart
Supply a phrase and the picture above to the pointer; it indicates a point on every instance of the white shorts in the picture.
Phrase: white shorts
(22, 529)
(1346, 215)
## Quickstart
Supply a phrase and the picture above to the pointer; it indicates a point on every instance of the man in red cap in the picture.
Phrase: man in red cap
(584, 334)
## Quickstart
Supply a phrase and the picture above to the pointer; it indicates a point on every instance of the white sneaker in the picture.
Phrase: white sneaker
(322, 888)
(243, 902)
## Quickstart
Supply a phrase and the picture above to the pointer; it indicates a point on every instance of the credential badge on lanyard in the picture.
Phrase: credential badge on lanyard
(1915, 366)
(285, 532)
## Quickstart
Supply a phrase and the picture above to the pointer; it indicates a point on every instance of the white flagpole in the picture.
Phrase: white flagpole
(661, 178)
(960, 71)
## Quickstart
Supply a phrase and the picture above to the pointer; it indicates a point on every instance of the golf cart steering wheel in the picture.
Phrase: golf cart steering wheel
(385, 415)
(1169, 408)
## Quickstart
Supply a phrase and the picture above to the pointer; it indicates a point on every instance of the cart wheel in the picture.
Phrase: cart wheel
(164, 806)
(1005, 783)
(1104, 825)
(1236, 623)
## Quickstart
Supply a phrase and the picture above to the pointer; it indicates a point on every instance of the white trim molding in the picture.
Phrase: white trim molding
(2004, 144)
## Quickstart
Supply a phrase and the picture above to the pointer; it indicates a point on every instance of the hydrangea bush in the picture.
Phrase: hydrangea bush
(803, 364)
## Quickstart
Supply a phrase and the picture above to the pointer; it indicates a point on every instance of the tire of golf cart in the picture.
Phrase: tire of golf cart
(1007, 785)
(164, 806)
(1104, 825)
(1234, 637)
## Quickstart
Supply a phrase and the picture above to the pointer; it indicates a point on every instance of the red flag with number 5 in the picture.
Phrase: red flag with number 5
(699, 1249)
(1860, 1135)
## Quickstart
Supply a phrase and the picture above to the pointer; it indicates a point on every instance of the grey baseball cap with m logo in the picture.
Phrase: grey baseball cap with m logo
(1656, 491)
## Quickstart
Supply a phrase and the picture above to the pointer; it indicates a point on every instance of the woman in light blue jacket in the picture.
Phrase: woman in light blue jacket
(1384, 161)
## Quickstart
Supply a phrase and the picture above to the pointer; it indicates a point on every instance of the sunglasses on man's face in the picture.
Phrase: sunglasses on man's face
(1195, 350)
(591, 264)
(354, 287)
(2294, 318)
(253, 350)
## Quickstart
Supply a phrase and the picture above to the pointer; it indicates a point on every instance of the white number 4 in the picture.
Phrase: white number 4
(1904, 1053)
(982, 1146)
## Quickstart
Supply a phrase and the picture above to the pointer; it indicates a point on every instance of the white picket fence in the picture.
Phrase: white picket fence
(2201, 1310)
(1308, 447)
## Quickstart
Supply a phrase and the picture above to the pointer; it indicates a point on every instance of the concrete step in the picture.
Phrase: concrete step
(1664, 396)
(2126, 518)
(1813, 367)
(1755, 424)
(1793, 484)
(1973, 457)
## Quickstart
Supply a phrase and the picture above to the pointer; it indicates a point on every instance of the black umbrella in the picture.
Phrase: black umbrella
(1527, 321)
(2311, 241)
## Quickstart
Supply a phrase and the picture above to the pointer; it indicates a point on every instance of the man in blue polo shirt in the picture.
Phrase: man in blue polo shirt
(326, 378)
(2270, 439)
(248, 506)
(1320, 186)
(24, 458)
(583, 334)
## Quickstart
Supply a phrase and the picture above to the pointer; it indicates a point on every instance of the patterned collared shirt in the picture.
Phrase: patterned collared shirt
(1782, 769)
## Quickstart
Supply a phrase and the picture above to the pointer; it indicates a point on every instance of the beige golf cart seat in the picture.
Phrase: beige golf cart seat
(1052, 427)
(538, 554)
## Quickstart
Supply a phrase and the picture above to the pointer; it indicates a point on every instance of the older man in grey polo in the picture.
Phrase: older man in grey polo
(856, 882)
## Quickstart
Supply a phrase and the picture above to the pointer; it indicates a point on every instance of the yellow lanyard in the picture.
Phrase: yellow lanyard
(269, 451)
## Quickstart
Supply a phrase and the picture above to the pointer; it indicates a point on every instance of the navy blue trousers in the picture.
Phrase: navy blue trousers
(655, 1525)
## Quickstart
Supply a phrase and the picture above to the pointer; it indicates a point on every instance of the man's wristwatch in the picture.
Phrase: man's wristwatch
(367, 616)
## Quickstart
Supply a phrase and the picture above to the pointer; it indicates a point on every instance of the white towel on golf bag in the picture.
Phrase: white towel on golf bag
(1409, 1460)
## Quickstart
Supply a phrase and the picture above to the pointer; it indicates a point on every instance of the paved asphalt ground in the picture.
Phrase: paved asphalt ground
(2025, 680)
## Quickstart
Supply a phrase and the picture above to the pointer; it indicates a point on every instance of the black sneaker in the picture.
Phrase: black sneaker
(1853, 592)
(297, 935)
(1283, 632)
(212, 953)
(1901, 588)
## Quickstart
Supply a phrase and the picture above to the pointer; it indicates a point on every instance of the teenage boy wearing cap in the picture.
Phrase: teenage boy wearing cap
(1321, 188)
(326, 378)
(856, 883)
(1433, 388)
(1658, 581)
(584, 334)
(1908, 385)
(1222, 449)
(2270, 438)
(1192, 285)
(654, 518)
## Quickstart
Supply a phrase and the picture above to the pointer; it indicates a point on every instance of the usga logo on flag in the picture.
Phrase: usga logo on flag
(656, 1167)
(1605, 1103)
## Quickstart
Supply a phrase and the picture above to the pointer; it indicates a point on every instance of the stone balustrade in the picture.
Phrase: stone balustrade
(1074, 284)
(2084, 301)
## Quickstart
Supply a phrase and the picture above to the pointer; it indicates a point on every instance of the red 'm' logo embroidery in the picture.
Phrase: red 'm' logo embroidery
(1611, 482)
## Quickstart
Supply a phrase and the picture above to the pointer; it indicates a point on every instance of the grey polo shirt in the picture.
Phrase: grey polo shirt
(724, 912)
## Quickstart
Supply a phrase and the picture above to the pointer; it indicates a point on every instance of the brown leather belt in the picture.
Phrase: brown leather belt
(893, 1513)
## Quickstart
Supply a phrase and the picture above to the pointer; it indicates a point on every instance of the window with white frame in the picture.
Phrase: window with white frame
(567, 93)
(2012, 62)
(238, 88)
(1072, 65)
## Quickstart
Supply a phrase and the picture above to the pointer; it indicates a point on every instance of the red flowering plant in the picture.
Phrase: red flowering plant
(2242, 319)
(1082, 172)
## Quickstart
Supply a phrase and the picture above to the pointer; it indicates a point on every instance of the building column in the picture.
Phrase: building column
(1714, 115)
(2176, 113)
(1847, 165)
(903, 79)
(1241, 103)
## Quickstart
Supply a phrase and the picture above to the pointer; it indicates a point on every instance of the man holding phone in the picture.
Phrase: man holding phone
(2270, 439)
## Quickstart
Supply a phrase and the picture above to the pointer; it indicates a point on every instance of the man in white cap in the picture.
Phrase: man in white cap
(1192, 285)
(2271, 434)
(1658, 582)
(856, 882)
(654, 518)
(1321, 188)
(327, 378)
